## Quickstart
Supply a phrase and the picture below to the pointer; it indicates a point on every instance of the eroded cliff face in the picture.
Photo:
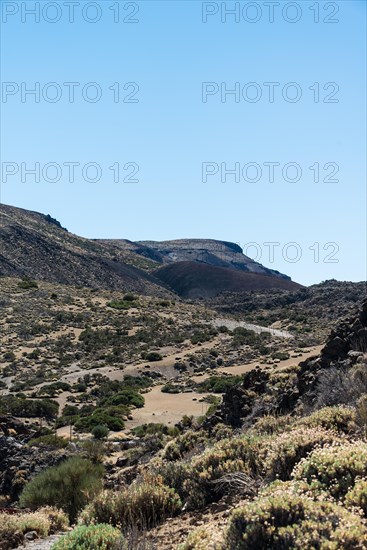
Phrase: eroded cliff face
(209, 251)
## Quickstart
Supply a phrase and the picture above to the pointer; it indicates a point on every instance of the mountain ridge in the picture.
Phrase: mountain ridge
(36, 245)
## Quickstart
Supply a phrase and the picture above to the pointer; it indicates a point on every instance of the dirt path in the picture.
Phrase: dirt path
(231, 324)
(41, 544)
(241, 369)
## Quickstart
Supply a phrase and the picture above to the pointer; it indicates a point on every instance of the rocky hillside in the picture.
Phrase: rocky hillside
(336, 376)
(36, 246)
(314, 309)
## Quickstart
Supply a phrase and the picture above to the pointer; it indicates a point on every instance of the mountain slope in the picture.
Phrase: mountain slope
(197, 280)
(33, 245)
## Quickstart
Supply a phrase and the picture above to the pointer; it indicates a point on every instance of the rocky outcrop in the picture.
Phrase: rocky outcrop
(258, 394)
(18, 461)
(345, 345)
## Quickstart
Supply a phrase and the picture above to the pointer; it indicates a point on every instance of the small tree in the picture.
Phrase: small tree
(69, 486)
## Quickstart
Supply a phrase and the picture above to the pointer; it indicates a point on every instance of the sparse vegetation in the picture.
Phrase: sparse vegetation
(278, 459)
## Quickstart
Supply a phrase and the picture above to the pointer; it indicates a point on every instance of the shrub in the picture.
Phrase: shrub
(154, 429)
(218, 384)
(110, 417)
(27, 284)
(129, 396)
(13, 528)
(28, 408)
(129, 298)
(175, 475)
(95, 450)
(200, 539)
(153, 356)
(119, 304)
(290, 521)
(68, 486)
(239, 454)
(285, 450)
(357, 496)
(361, 413)
(171, 388)
(270, 424)
(177, 448)
(340, 385)
(342, 419)
(100, 431)
(9, 356)
(50, 440)
(334, 468)
(142, 505)
(94, 537)
(58, 519)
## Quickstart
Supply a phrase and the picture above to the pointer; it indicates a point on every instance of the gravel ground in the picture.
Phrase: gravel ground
(41, 544)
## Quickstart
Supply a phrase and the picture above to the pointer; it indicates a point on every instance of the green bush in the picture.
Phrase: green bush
(28, 408)
(100, 431)
(154, 429)
(129, 298)
(271, 425)
(119, 304)
(153, 356)
(9, 356)
(93, 537)
(142, 505)
(218, 384)
(294, 522)
(334, 468)
(129, 396)
(26, 284)
(171, 388)
(68, 486)
(110, 417)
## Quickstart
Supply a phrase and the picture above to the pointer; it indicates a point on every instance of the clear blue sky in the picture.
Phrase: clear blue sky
(170, 132)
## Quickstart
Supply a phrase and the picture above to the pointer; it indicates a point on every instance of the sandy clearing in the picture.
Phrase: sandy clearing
(167, 408)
